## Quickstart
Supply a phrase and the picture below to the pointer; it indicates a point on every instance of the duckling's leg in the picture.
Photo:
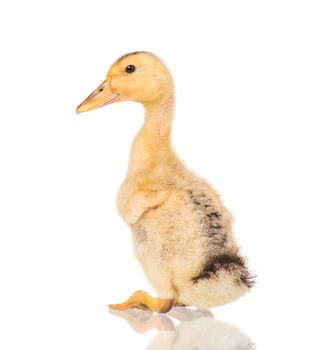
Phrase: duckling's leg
(143, 301)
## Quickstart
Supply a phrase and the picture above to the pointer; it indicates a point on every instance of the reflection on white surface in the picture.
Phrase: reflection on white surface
(197, 330)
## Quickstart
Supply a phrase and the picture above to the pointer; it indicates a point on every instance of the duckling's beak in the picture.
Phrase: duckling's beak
(100, 97)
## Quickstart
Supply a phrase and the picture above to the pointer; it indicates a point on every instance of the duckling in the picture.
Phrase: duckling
(181, 230)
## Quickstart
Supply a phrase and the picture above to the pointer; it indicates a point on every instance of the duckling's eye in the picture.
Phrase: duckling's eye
(130, 68)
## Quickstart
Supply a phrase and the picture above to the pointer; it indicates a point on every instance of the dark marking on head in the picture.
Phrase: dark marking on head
(229, 262)
(131, 54)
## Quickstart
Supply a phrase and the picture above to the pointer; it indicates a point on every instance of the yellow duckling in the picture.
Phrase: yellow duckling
(182, 233)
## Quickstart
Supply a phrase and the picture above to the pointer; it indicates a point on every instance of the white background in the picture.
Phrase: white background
(248, 118)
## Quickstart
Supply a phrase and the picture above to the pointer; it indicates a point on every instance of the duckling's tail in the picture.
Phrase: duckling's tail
(222, 279)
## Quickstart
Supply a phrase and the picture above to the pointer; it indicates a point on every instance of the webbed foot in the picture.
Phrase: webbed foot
(143, 301)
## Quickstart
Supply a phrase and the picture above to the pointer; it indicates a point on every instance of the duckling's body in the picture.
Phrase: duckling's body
(182, 232)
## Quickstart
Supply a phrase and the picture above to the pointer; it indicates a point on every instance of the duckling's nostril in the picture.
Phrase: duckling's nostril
(100, 90)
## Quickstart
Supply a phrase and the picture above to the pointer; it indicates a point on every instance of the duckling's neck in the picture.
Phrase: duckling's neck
(152, 144)
(158, 120)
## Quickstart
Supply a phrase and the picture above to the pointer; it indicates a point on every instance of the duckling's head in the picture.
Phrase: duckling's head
(138, 76)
